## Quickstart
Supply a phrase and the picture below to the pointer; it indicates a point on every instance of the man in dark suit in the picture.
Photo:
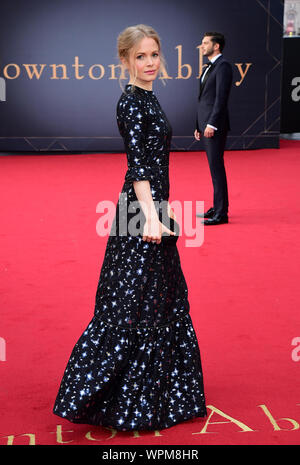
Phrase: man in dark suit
(212, 121)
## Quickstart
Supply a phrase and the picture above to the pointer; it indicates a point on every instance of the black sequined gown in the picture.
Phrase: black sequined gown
(137, 365)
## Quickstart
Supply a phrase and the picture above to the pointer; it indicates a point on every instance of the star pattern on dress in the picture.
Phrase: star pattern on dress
(137, 365)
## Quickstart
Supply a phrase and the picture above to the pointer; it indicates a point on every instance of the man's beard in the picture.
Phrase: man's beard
(209, 52)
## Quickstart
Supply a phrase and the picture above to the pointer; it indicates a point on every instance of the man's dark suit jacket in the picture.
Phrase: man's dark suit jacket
(213, 97)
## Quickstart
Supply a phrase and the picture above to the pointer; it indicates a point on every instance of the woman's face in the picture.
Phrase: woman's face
(144, 63)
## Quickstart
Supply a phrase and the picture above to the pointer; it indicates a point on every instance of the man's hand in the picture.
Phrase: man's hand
(209, 132)
(197, 134)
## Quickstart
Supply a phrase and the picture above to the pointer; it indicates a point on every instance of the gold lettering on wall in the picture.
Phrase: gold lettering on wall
(54, 69)
(98, 71)
(182, 66)
(164, 75)
(222, 414)
(113, 72)
(5, 71)
(102, 71)
(274, 422)
(34, 72)
(242, 73)
(77, 66)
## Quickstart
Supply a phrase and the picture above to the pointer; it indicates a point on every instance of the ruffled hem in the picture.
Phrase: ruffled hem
(142, 378)
(145, 427)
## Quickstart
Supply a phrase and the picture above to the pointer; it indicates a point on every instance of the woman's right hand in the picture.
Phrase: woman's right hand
(153, 230)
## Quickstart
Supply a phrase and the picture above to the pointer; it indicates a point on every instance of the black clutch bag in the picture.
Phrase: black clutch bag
(171, 224)
(164, 218)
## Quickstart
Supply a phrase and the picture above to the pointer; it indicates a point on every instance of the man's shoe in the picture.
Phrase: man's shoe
(216, 219)
(209, 214)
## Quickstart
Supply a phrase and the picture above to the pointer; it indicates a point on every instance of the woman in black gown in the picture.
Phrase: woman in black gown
(137, 365)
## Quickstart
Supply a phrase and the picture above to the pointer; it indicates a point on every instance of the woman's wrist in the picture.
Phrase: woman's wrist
(152, 217)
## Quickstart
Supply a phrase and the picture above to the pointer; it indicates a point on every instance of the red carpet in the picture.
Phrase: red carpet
(243, 290)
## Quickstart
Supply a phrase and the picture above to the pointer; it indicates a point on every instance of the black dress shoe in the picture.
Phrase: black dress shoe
(209, 214)
(216, 219)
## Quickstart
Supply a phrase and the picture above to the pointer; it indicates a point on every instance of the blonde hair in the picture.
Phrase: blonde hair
(130, 37)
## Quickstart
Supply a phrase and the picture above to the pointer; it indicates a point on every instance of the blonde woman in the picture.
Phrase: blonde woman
(137, 365)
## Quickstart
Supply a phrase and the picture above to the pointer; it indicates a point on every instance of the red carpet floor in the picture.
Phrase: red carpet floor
(243, 290)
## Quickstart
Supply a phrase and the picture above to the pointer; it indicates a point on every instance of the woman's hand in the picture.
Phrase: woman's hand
(153, 230)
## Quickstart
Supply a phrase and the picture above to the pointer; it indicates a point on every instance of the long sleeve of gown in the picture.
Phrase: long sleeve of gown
(132, 122)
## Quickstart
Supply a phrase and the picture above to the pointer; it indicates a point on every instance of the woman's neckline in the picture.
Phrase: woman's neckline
(139, 88)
